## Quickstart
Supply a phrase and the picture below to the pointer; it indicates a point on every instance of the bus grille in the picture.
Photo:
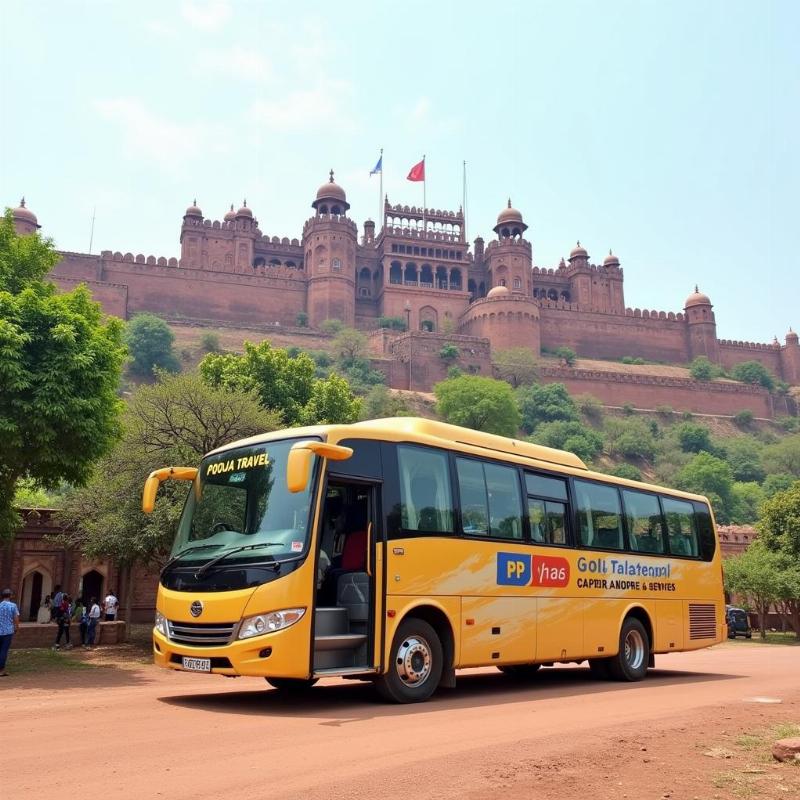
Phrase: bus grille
(201, 634)
(702, 621)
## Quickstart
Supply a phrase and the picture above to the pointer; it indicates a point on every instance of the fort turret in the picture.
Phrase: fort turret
(329, 244)
(25, 220)
(790, 359)
(701, 327)
(508, 259)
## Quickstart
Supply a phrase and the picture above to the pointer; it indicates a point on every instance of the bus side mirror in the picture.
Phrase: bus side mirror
(155, 479)
(298, 467)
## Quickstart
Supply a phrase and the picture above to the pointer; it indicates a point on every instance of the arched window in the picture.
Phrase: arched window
(336, 265)
(552, 294)
(455, 279)
(517, 283)
(565, 296)
(395, 272)
(259, 262)
(501, 282)
(411, 276)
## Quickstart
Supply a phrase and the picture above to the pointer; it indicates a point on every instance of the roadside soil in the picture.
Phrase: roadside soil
(701, 726)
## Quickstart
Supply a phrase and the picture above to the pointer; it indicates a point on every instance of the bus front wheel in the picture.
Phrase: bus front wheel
(415, 664)
(630, 663)
(291, 684)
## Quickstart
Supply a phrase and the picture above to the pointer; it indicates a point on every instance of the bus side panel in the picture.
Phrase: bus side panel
(703, 623)
(497, 630)
(669, 626)
(601, 629)
(560, 628)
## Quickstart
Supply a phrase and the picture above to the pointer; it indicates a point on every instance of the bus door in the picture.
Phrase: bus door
(350, 579)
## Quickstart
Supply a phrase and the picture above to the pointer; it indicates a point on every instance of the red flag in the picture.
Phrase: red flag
(417, 172)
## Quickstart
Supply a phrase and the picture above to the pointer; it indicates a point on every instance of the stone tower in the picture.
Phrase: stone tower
(701, 327)
(595, 288)
(509, 258)
(790, 359)
(25, 221)
(329, 244)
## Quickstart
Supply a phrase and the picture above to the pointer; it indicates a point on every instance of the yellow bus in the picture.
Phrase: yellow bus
(401, 550)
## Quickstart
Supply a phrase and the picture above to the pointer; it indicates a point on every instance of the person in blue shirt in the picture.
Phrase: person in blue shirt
(9, 625)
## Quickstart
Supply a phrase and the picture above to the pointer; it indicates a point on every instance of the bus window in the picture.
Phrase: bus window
(425, 499)
(643, 515)
(680, 527)
(545, 486)
(599, 517)
(708, 544)
(547, 521)
(490, 501)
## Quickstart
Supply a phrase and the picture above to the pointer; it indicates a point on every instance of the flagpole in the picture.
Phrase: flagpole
(424, 192)
(380, 197)
(464, 199)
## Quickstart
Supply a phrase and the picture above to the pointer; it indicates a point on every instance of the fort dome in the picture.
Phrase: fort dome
(610, 260)
(330, 193)
(578, 251)
(791, 337)
(510, 222)
(697, 298)
(498, 291)
(509, 214)
(230, 215)
(244, 211)
(22, 214)
(193, 210)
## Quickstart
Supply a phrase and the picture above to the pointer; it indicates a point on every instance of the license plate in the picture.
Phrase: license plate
(197, 664)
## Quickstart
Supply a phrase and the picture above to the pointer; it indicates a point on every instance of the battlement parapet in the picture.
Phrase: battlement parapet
(334, 220)
(598, 269)
(429, 236)
(129, 258)
(510, 244)
(280, 241)
(558, 272)
(671, 316)
(749, 345)
(506, 298)
(431, 214)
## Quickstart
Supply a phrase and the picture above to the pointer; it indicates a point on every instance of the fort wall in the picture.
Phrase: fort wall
(733, 353)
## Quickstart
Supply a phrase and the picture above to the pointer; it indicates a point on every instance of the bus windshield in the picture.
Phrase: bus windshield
(241, 501)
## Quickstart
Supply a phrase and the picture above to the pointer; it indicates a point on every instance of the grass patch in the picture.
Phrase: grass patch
(773, 637)
(42, 659)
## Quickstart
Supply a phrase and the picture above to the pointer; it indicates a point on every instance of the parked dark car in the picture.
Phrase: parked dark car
(738, 622)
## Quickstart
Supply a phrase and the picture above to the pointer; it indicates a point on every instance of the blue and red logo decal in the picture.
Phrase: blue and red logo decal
(524, 569)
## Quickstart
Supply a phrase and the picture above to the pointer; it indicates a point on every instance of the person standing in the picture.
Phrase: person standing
(111, 606)
(43, 616)
(9, 625)
(80, 616)
(63, 619)
(92, 619)
(55, 606)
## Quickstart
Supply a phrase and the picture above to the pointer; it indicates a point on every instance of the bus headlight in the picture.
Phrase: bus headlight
(269, 623)
(160, 624)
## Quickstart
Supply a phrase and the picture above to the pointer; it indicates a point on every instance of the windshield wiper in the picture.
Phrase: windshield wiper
(207, 566)
(186, 551)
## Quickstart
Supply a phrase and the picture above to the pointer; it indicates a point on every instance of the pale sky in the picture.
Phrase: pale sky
(667, 131)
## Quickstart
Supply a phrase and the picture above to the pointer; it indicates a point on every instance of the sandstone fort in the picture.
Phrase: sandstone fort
(419, 268)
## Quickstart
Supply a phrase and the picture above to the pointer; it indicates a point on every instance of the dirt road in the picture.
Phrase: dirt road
(144, 733)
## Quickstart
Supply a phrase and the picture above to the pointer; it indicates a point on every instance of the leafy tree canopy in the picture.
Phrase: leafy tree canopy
(150, 341)
(693, 438)
(701, 369)
(710, 476)
(627, 471)
(777, 482)
(753, 372)
(746, 498)
(60, 367)
(630, 438)
(516, 365)
(779, 527)
(174, 422)
(548, 403)
(575, 437)
(379, 402)
(484, 404)
(743, 453)
(349, 344)
(783, 456)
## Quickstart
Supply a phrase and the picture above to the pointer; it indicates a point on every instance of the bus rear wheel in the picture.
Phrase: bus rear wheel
(415, 665)
(630, 663)
(291, 684)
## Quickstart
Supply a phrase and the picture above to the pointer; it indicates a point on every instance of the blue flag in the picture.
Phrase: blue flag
(378, 167)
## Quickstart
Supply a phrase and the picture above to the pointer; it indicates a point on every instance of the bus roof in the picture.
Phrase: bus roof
(454, 437)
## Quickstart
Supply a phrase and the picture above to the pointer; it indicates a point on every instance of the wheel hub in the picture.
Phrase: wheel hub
(413, 661)
(634, 649)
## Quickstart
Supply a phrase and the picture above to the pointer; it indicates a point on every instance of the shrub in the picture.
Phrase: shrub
(380, 402)
(186, 354)
(744, 456)
(694, 438)
(701, 369)
(755, 373)
(628, 409)
(393, 323)
(301, 320)
(545, 404)
(744, 419)
(575, 437)
(627, 471)
(632, 360)
(665, 412)
(590, 407)
(777, 482)
(209, 341)
(149, 341)
(484, 404)
(331, 326)
(630, 438)
(567, 355)
(449, 352)
(454, 372)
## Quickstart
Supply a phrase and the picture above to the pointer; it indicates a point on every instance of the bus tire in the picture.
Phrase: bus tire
(291, 684)
(520, 671)
(416, 660)
(599, 668)
(630, 663)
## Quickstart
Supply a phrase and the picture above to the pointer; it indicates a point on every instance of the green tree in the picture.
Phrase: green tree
(484, 404)
(149, 340)
(746, 498)
(783, 456)
(349, 344)
(701, 369)
(753, 372)
(630, 439)
(710, 476)
(173, 422)
(393, 323)
(332, 401)
(590, 407)
(753, 575)
(516, 365)
(547, 403)
(301, 320)
(743, 453)
(694, 438)
(60, 367)
(209, 341)
(743, 418)
(331, 326)
(574, 437)
(449, 353)
(777, 482)
(779, 527)
(380, 402)
(627, 471)
(567, 355)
